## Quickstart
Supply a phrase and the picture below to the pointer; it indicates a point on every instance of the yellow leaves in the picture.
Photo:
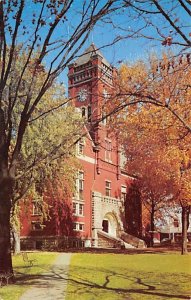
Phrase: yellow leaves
(186, 159)
(132, 76)
(185, 187)
(48, 141)
(156, 138)
(157, 81)
(154, 153)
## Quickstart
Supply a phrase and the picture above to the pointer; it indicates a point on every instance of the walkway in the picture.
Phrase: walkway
(52, 285)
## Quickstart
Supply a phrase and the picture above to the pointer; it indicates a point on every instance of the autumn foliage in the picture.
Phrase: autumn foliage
(153, 109)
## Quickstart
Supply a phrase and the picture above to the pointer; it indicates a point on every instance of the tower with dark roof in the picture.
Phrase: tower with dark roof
(90, 82)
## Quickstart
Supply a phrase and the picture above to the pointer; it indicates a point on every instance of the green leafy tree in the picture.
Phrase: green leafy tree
(47, 158)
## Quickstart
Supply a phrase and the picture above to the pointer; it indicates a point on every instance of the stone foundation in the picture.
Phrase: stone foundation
(53, 243)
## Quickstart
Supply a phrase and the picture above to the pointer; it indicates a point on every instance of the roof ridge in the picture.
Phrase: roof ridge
(88, 54)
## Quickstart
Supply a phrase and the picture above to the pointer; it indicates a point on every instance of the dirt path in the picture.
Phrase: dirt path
(53, 284)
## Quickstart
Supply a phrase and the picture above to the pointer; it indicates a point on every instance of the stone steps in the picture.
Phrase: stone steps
(107, 241)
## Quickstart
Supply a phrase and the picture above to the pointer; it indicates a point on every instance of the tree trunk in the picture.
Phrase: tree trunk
(5, 244)
(185, 216)
(6, 192)
(152, 224)
(16, 241)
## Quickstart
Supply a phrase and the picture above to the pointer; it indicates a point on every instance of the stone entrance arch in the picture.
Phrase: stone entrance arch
(106, 216)
(110, 224)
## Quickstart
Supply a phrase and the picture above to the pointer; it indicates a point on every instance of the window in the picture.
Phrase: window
(108, 188)
(37, 208)
(89, 113)
(104, 118)
(81, 209)
(80, 185)
(105, 95)
(108, 149)
(123, 193)
(86, 112)
(78, 209)
(81, 147)
(74, 208)
(176, 223)
(78, 226)
(83, 112)
(75, 226)
(37, 226)
(81, 227)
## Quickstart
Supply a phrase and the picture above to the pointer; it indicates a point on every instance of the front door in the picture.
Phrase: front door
(105, 226)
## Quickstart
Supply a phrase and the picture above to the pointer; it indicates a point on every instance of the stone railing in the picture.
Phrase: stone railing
(110, 200)
(134, 241)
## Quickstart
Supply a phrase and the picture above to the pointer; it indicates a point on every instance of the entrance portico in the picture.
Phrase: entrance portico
(106, 216)
(110, 224)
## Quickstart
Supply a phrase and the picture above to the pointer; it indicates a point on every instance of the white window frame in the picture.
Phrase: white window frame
(78, 226)
(81, 145)
(123, 192)
(36, 208)
(81, 225)
(105, 98)
(74, 208)
(108, 188)
(80, 184)
(78, 209)
(74, 226)
(108, 150)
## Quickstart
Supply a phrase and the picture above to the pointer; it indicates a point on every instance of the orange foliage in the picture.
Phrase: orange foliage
(156, 137)
(152, 118)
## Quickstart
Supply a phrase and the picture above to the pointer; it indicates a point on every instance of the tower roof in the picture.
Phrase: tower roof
(88, 54)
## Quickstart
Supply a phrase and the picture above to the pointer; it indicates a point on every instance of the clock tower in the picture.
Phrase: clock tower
(90, 83)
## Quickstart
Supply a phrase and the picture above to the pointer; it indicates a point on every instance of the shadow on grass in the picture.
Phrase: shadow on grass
(83, 283)
(141, 283)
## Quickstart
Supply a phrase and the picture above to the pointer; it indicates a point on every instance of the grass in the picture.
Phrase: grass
(110, 276)
(25, 274)
(129, 277)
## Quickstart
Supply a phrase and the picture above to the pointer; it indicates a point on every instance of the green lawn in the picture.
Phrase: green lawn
(138, 276)
(25, 274)
(111, 276)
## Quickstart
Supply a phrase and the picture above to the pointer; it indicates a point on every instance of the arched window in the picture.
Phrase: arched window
(86, 112)
(176, 222)
(89, 112)
(83, 112)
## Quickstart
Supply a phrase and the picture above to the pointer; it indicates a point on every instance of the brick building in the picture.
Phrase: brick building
(102, 184)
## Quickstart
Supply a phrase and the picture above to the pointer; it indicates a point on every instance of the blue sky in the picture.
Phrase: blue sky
(127, 50)
(131, 49)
